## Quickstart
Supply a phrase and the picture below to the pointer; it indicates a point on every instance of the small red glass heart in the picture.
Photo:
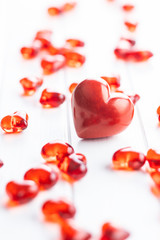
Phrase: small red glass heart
(96, 114)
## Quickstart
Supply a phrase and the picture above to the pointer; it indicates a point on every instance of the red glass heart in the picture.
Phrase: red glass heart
(96, 114)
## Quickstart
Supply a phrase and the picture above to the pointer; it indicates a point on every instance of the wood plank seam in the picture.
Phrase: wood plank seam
(128, 73)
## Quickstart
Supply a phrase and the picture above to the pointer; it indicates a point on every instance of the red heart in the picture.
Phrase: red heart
(97, 114)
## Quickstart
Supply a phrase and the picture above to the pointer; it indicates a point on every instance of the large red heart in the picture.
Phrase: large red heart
(97, 114)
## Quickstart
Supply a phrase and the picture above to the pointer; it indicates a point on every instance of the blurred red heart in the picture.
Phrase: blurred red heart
(96, 114)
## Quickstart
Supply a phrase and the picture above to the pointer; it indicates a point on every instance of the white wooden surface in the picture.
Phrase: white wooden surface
(123, 198)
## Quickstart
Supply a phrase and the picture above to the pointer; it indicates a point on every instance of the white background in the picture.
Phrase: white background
(123, 198)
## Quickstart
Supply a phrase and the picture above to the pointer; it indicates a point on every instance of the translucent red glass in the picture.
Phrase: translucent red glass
(15, 123)
(135, 98)
(128, 159)
(64, 50)
(153, 158)
(110, 232)
(54, 11)
(132, 55)
(68, 6)
(44, 176)
(158, 112)
(70, 232)
(131, 26)
(51, 99)
(56, 151)
(81, 157)
(155, 175)
(1, 163)
(42, 41)
(75, 42)
(43, 38)
(72, 87)
(130, 41)
(56, 210)
(30, 85)
(128, 7)
(155, 189)
(73, 167)
(119, 91)
(113, 81)
(44, 34)
(53, 50)
(74, 59)
(52, 64)
(29, 52)
(22, 192)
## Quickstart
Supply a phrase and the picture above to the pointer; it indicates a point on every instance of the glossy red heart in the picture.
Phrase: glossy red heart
(98, 114)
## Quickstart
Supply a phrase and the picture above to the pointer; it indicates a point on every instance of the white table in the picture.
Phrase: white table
(123, 198)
